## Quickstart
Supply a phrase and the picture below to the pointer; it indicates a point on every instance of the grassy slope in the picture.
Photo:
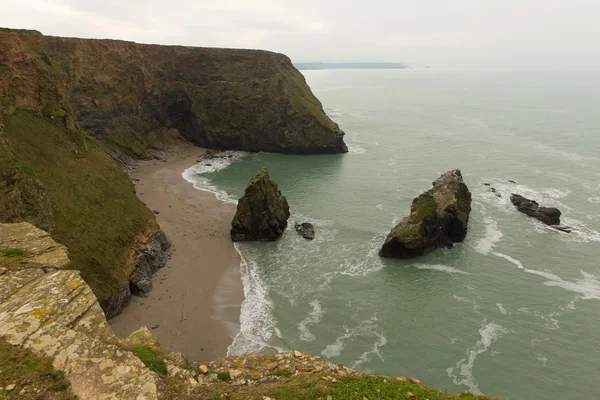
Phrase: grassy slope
(96, 213)
(311, 387)
(33, 377)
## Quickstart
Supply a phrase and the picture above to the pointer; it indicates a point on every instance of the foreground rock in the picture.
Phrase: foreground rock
(51, 312)
(262, 212)
(438, 218)
(306, 230)
(547, 215)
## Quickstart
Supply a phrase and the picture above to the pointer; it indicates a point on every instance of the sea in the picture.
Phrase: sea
(514, 310)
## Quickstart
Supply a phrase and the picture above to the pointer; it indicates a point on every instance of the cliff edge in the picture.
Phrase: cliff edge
(68, 104)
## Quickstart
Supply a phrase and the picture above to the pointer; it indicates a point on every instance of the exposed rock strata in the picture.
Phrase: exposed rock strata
(262, 212)
(438, 218)
(547, 215)
(134, 96)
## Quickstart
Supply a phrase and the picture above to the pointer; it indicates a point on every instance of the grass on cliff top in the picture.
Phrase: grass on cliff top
(11, 252)
(150, 359)
(312, 387)
(28, 376)
(95, 210)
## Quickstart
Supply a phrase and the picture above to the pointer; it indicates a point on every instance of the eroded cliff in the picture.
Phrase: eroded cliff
(65, 103)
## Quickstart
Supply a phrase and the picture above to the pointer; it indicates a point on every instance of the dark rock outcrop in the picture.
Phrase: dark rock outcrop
(306, 230)
(262, 212)
(547, 215)
(438, 218)
(150, 258)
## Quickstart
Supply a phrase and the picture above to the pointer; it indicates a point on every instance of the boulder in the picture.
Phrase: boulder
(547, 215)
(306, 230)
(438, 218)
(262, 212)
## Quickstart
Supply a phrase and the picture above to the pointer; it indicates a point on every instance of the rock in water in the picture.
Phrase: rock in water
(548, 215)
(306, 230)
(262, 212)
(438, 218)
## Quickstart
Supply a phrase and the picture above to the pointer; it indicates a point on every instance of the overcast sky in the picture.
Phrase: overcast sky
(455, 33)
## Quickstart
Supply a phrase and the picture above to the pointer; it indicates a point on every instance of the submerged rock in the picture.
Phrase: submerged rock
(262, 212)
(306, 230)
(547, 215)
(438, 218)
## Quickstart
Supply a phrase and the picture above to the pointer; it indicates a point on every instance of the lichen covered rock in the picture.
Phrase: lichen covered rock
(438, 218)
(262, 212)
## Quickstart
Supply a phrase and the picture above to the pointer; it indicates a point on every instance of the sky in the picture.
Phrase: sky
(439, 33)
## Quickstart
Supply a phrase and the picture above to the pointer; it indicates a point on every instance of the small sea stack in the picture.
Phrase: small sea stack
(438, 218)
(306, 230)
(262, 213)
(547, 215)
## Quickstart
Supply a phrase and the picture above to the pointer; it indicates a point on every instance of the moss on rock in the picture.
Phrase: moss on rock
(438, 218)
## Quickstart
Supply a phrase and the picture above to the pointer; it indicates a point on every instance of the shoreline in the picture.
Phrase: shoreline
(196, 298)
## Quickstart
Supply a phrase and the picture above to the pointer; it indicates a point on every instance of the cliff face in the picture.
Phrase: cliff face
(65, 103)
(129, 95)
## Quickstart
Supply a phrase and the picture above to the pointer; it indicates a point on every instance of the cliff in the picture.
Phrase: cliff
(66, 103)
(50, 318)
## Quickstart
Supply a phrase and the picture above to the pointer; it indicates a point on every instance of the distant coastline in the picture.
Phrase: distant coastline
(359, 65)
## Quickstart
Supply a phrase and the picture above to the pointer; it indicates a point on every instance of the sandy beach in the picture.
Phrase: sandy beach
(197, 296)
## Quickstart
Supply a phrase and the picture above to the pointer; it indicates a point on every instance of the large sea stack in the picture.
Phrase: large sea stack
(438, 218)
(262, 212)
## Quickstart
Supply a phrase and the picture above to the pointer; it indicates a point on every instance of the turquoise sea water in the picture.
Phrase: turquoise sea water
(514, 310)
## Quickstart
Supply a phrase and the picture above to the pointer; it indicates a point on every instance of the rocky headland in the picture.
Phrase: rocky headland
(438, 218)
(75, 114)
(262, 212)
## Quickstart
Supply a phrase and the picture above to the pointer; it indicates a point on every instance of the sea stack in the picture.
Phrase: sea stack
(262, 213)
(438, 218)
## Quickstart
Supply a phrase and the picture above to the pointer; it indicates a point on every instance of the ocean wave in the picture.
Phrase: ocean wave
(257, 323)
(440, 267)
(195, 174)
(595, 200)
(314, 317)
(374, 351)
(366, 328)
(489, 333)
(580, 232)
(356, 149)
(502, 309)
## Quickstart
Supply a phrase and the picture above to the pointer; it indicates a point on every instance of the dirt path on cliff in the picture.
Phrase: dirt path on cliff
(197, 296)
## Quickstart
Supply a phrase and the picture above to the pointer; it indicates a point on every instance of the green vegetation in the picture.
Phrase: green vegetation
(390, 389)
(94, 209)
(33, 377)
(283, 372)
(150, 359)
(224, 376)
(11, 252)
(424, 205)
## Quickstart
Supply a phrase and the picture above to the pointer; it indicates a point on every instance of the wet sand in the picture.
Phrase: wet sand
(197, 296)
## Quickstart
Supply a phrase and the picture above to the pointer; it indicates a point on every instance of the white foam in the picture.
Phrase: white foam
(195, 174)
(374, 351)
(335, 349)
(541, 358)
(588, 287)
(492, 236)
(356, 149)
(502, 309)
(257, 323)
(364, 328)
(314, 317)
(489, 333)
(595, 200)
(440, 267)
